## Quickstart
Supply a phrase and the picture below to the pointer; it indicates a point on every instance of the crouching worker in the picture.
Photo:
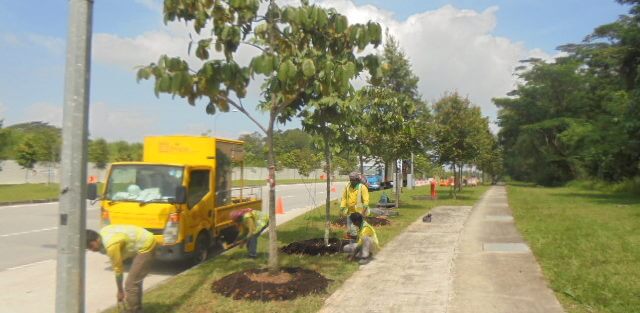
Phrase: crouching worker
(251, 224)
(367, 243)
(121, 242)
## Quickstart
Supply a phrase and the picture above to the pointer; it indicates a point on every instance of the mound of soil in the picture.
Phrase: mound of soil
(258, 284)
(314, 246)
(372, 220)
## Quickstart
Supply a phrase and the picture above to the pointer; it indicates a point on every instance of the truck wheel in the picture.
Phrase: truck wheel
(201, 251)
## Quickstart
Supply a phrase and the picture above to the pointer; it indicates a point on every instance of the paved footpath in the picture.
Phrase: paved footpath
(466, 260)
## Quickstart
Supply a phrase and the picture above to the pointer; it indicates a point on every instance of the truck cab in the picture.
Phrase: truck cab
(181, 192)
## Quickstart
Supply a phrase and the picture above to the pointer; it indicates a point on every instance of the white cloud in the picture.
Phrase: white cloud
(112, 123)
(49, 43)
(44, 112)
(105, 120)
(52, 44)
(449, 48)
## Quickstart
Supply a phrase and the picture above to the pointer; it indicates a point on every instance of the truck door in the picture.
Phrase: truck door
(199, 203)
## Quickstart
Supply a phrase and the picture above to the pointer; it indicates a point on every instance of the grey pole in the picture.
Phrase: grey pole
(411, 180)
(70, 279)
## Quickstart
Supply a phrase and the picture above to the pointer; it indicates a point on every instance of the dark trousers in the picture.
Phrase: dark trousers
(139, 269)
(252, 242)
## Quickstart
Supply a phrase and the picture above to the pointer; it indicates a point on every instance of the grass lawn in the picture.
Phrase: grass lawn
(191, 290)
(587, 242)
(25, 192)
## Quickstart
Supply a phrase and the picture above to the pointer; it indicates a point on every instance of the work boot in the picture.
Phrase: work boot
(364, 261)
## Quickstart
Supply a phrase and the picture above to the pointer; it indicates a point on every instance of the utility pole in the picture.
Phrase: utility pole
(70, 278)
(411, 179)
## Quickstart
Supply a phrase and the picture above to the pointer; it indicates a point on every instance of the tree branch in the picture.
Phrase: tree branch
(238, 105)
(254, 45)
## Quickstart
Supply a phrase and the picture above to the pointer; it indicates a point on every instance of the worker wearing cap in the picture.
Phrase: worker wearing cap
(251, 224)
(355, 199)
(367, 243)
(121, 242)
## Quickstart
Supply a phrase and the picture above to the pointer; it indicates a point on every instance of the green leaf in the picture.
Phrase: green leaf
(262, 64)
(341, 24)
(210, 109)
(164, 84)
(308, 68)
(176, 82)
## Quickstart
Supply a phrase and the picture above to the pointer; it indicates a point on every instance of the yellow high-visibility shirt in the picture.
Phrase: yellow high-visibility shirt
(125, 241)
(252, 223)
(350, 199)
(367, 231)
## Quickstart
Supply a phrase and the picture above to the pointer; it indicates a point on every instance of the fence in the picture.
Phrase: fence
(46, 172)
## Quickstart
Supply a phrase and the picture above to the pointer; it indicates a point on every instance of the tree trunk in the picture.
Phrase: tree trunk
(273, 236)
(397, 184)
(460, 177)
(361, 164)
(327, 159)
(453, 188)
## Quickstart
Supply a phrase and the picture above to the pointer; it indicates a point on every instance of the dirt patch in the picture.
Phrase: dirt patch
(265, 277)
(314, 246)
(240, 285)
(372, 220)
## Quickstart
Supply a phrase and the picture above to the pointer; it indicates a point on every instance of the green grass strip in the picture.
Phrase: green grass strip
(191, 291)
(28, 192)
(587, 242)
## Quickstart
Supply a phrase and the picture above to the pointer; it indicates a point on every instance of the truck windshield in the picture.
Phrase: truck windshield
(143, 183)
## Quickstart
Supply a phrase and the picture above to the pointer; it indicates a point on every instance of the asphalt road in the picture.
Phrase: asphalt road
(28, 237)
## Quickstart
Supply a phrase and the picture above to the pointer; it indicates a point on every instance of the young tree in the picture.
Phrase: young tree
(457, 126)
(391, 120)
(303, 52)
(99, 153)
(26, 155)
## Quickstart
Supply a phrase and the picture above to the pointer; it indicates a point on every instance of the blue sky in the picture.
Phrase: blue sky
(469, 46)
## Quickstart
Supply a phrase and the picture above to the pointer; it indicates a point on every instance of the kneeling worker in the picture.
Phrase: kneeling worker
(251, 224)
(121, 242)
(367, 242)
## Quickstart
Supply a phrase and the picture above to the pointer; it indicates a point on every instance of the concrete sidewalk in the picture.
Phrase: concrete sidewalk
(465, 261)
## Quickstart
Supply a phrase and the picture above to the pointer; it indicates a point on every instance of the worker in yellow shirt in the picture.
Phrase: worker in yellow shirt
(367, 243)
(355, 199)
(121, 242)
(251, 224)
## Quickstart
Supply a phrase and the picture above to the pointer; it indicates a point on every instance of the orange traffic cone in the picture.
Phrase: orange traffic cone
(333, 188)
(279, 206)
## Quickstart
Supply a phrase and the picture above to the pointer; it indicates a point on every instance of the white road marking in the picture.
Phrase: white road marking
(28, 232)
(15, 206)
(28, 264)
(284, 197)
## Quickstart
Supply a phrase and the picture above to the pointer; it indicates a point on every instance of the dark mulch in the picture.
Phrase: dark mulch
(239, 285)
(372, 220)
(314, 246)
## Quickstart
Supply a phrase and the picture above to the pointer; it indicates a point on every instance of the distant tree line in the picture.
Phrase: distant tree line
(38, 142)
(579, 116)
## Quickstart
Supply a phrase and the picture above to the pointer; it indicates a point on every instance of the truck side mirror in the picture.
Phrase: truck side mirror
(92, 191)
(181, 195)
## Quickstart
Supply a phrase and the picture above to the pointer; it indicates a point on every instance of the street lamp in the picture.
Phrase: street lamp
(215, 120)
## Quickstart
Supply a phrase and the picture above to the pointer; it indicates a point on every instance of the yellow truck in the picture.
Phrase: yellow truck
(181, 192)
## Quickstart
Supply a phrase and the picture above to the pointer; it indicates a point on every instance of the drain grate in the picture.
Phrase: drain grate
(498, 218)
(505, 247)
